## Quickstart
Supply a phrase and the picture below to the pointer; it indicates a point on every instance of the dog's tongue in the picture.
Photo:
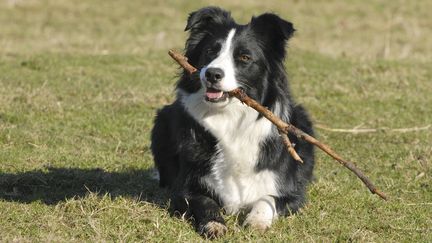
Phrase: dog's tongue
(213, 93)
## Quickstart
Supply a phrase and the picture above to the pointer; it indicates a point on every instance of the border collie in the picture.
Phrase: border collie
(212, 151)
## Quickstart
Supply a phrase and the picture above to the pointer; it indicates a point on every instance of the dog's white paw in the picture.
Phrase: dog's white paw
(258, 221)
(213, 230)
(262, 214)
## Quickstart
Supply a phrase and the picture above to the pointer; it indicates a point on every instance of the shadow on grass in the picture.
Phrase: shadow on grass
(53, 185)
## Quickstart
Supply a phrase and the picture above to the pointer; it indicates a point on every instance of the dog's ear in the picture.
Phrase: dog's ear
(200, 24)
(275, 30)
(206, 17)
(272, 24)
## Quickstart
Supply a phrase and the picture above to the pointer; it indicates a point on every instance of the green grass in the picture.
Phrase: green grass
(80, 82)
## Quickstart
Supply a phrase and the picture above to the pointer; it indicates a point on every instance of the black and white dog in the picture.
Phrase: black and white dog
(214, 152)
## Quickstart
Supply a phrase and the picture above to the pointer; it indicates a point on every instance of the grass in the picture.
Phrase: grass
(80, 83)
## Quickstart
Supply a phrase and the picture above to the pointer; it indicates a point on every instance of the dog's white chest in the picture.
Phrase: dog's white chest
(233, 177)
(239, 188)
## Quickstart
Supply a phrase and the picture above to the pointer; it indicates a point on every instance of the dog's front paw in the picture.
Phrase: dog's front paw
(262, 214)
(257, 223)
(213, 229)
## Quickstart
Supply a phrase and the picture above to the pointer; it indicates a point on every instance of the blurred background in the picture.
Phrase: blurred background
(363, 30)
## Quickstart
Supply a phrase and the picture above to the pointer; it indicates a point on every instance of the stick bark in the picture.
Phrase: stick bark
(285, 128)
(289, 146)
(371, 130)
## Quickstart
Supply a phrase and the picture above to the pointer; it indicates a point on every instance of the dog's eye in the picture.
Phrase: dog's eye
(244, 58)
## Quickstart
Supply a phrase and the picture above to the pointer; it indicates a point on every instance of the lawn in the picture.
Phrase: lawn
(80, 82)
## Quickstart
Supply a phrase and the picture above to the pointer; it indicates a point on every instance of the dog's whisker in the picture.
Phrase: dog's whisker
(244, 84)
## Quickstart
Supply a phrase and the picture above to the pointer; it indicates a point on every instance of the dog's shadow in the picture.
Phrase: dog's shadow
(53, 185)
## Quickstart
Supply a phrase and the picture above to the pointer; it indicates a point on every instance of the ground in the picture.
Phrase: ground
(80, 82)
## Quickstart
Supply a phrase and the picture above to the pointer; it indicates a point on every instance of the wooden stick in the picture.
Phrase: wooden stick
(371, 130)
(289, 146)
(183, 61)
(285, 128)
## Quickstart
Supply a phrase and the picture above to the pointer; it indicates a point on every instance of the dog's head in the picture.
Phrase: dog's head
(233, 56)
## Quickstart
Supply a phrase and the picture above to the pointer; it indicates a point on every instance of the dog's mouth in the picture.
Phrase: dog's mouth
(215, 95)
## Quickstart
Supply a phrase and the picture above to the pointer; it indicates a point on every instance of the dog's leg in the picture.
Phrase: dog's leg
(262, 214)
(163, 148)
(205, 212)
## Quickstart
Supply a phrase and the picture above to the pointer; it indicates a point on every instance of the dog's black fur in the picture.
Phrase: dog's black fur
(184, 148)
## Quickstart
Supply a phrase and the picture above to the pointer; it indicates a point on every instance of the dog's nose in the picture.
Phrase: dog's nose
(214, 75)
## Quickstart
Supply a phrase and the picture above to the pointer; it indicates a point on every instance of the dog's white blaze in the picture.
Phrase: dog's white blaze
(239, 135)
(225, 62)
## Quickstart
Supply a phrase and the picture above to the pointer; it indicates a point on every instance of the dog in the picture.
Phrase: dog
(213, 152)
